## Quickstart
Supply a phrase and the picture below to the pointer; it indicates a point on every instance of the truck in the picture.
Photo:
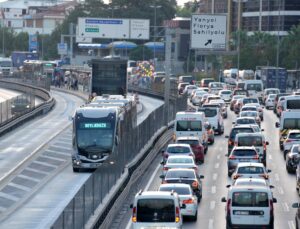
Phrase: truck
(6, 67)
(270, 79)
(18, 57)
(109, 76)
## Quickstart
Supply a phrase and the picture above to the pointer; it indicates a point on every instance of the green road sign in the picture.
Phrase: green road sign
(92, 30)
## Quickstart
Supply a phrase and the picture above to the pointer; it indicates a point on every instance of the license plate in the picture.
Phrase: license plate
(241, 212)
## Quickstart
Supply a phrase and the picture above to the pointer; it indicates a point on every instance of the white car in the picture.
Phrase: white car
(188, 89)
(259, 109)
(186, 196)
(270, 101)
(185, 162)
(250, 170)
(226, 95)
(197, 97)
(147, 210)
(249, 205)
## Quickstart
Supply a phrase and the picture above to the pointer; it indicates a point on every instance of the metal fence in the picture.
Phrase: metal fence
(100, 183)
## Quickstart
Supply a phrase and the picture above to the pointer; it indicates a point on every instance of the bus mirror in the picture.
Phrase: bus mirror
(277, 124)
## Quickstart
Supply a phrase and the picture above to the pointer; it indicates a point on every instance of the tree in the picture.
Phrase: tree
(187, 10)
(20, 41)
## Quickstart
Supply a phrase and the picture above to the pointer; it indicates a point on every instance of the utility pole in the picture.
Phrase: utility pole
(168, 72)
(278, 44)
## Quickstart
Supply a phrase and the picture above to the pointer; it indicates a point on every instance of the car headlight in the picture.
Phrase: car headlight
(13, 106)
(28, 106)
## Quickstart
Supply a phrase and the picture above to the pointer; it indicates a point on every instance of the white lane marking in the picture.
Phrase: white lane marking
(213, 189)
(8, 196)
(218, 156)
(270, 157)
(215, 176)
(280, 190)
(26, 189)
(212, 205)
(210, 224)
(291, 224)
(276, 177)
(128, 226)
(285, 207)
(217, 165)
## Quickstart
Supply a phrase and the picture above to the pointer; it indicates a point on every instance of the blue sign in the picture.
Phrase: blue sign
(101, 21)
(33, 43)
(62, 48)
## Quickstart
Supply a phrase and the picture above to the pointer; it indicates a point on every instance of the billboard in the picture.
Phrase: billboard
(208, 31)
(33, 43)
(113, 28)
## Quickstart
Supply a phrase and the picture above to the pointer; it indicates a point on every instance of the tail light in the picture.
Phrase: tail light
(195, 184)
(188, 201)
(271, 208)
(177, 217)
(231, 157)
(230, 142)
(236, 176)
(134, 214)
(256, 157)
(228, 207)
(264, 176)
(289, 140)
(165, 168)
(265, 146)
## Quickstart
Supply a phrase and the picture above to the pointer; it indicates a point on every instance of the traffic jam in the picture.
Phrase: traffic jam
(249, 201)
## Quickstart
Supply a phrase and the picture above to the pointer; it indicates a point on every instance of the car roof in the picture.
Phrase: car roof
(180, 169)
(294, 131)
(242, 126)
(251, 182)
(243, 148)
(155, 194)
(176, 185)
(178, 144)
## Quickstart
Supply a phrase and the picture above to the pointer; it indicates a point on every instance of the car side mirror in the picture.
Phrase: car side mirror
(162, 151)
(183, 206)
(226, 136)
(232, 123)
(295, 205)
(162, 176)
(267, 143)
(131, 206)
(223, 199)
(262, 129)
(269, 170)
(201, 176)
(162, 163)
(277, 124)
(271, 186)
(274, 200)
(228, 186)
(226, 155)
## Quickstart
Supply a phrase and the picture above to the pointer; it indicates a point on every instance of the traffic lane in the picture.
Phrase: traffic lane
(6, 94)
(149, 105)
(285, 183)
(18, 144)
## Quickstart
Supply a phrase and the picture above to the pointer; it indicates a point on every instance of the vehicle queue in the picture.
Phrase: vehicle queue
(249, 201)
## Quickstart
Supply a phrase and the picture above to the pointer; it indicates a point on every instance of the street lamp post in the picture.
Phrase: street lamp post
(278, 43)
(154, 37)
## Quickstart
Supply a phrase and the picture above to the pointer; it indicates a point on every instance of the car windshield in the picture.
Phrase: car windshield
(155, 210)
(225, 92)
(250, 141)
(250, 199)
(189, 125)
(181, 174)
(180, 161)
(249, 109)
(254, 86)
(250, 100)
(235, 131)
(243, 153)
(294, 136)
(272, 96)
(291, 123)
(245, 121)
(209, 112)
(190, 142)
(178, 149)
(248, 114)
(178, 190)
(272, 92)
(250, 170)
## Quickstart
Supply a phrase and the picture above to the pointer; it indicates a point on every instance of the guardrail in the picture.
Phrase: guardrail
(33, 112)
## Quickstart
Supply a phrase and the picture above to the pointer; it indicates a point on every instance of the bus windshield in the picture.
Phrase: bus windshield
(189, 125)
(96, 135)
(5, 63)
(293, 104)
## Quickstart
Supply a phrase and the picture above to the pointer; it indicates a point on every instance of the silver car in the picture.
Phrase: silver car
(241, 154)
(186, 196)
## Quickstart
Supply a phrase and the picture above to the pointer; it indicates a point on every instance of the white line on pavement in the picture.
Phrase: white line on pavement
(291, 224)
(270, 157)
(210, 224)
(219, 156)
(212, 205)
(276, 177)
(215, 176)
(280, 190)
(285, 207)
(213, 189)
(128, 226)
(217, 165)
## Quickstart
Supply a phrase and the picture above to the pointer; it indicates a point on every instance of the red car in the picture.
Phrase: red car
(197, 147)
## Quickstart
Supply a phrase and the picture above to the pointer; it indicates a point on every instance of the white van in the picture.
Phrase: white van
(249, 205)
(156, 209)
(190, 123)
(214, 116)
(254, 88)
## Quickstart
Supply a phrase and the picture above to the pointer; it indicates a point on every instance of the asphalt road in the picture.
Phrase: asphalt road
(211, 211)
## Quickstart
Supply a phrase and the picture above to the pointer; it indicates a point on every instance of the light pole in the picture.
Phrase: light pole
(154, 38)
(278, 43)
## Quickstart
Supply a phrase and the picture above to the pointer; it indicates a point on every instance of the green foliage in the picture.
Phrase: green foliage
(141, 53)
(187, 10)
